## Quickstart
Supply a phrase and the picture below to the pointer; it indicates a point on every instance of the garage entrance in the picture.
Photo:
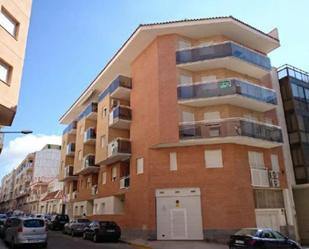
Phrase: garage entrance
(179, 215)
(270, 218)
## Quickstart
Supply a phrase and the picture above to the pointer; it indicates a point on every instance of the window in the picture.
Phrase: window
(209, 78)
(103, 141)
(185, 79)
(268, 121)
(275, 163)
(182, 44)
(104, 112)
(250, 117)
(213, 158)
(187, 117)
(104, 174)
(256, 160)
(208, 116)
(8, 22)
(114, 173)
(89, 180)
(79, 155)
(173, 161)
(5, 72)
(140, 166)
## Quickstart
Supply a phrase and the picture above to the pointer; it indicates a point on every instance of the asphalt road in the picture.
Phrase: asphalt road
(57, 240)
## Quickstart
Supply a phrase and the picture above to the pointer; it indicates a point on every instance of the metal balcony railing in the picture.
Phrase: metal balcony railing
(90, 134)
(225, 88)
(70, 149)
(230, 128)
(70, 128)
(119, 146)
(91, 108)
(226, 49)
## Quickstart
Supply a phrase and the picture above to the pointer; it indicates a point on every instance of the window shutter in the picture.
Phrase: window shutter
(173, 161)
(140, 166)
(213, 159)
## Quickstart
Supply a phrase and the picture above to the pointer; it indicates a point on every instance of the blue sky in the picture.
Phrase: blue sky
(70, 41)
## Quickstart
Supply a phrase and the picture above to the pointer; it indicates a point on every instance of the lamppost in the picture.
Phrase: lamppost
(11, 132)
(22, 132)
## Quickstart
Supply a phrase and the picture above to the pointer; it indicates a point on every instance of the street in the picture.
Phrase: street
(58, 240)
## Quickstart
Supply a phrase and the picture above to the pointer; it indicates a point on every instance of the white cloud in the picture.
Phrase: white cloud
(18, 148)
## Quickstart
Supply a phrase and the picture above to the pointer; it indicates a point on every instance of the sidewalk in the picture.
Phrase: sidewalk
(176, 245)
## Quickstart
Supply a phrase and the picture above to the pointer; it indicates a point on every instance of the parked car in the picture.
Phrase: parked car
(102, 231)
(21, 230)
(58, 221)
(3, 218)
(76, 227)
(255, 238)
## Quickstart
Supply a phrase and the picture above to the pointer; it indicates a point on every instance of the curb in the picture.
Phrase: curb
(137, 245)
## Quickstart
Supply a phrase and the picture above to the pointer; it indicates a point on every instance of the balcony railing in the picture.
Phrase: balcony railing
(120, 82)
(68, 171)
(90, 111)
(71, 128)
(89, 165)
(119, 146)
(125, 182)
(227, 49)
(70, 149)
(225, 88)
(234, 127)
(120, 117)
(90, 135)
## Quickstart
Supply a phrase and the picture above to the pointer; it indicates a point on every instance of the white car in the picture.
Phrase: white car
(23, 230)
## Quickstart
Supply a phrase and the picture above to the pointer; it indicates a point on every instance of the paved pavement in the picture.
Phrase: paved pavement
(178, 244)
(57, 240)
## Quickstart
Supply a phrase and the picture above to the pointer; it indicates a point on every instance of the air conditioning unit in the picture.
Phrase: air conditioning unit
(274, 178)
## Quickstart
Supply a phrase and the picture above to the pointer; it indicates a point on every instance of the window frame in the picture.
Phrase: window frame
(4, 64)
(10, 18)
(142, 165)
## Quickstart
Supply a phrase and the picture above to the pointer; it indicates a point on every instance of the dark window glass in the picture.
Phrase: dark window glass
(246, 232)
(33, 223)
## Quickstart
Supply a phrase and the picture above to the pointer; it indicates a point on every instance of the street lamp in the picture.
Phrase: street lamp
(22, 132)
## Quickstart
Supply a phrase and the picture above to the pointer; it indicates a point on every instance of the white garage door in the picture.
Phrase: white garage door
(270, 218)
(179, 214)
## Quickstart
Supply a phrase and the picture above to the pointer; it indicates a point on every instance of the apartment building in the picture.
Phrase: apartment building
(30, 179)
(7, 191)
(14, 23)
(294, 86)
(23, 178)
(179, 137)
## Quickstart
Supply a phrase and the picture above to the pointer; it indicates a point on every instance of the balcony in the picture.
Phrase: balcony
(71, 128)
(231, 91)
(68, 173)
(89, 165)
(231, 130)
(118, 150)
(120, 117)
(227, 55)
(90, 136)
(120, 88)
(125, 182)
(90, 112)
(70, 149)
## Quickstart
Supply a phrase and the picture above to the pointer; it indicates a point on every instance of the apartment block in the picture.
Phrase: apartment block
(7, 191)
(294, 86)
(178, 137)
(14, 23)
(23, 187)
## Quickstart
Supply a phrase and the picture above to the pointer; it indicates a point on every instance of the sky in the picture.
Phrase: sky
(70, 41)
